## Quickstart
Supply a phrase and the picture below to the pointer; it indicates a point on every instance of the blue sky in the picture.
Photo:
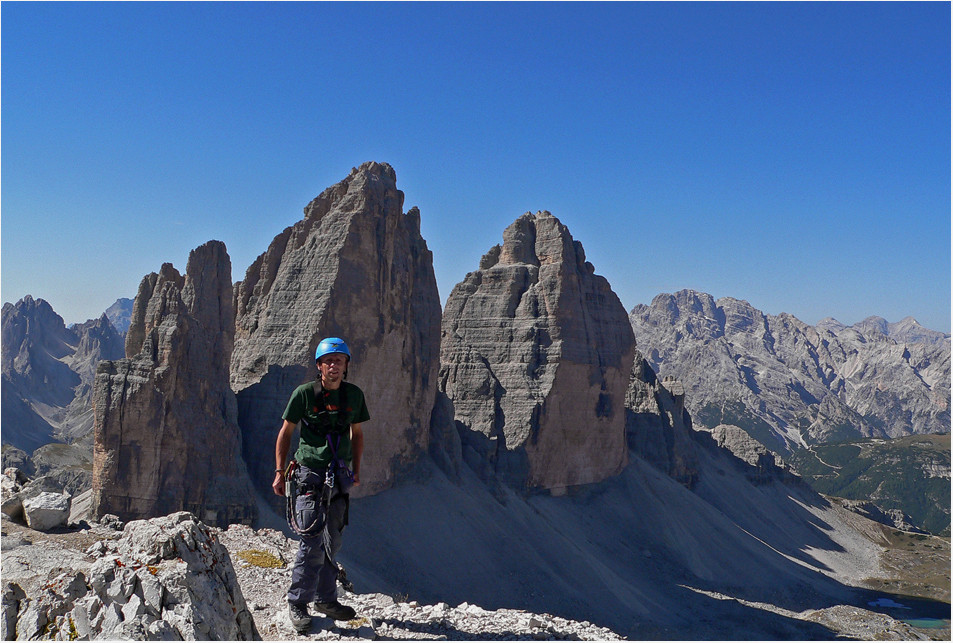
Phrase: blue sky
(793, 155)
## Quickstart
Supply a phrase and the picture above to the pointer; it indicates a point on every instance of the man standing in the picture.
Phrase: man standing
(330, 411)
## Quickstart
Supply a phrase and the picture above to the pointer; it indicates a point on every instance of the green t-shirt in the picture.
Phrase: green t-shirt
(339, 409)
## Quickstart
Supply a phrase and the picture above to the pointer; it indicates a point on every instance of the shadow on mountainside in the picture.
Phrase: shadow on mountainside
(638, 553)
(260, 407)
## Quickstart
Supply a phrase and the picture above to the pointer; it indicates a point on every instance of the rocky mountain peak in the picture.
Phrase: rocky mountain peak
(831, 325)
(535, 356)
(369, 182)
(873, 327)
(31, 331)
(119, 314)
(355, 267)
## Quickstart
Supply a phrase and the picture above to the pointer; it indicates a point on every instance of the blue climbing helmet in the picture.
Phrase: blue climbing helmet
(330, 345)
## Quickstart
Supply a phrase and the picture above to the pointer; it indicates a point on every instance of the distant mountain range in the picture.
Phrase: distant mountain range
(789, 384)
(48, 371)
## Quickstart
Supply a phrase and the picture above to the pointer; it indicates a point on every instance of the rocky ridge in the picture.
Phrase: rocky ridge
(166, 430)
(355, 267)
(907, 331)
(789, 384)
(168, 578)
(655, 538)
(765, 465)
(535, 357)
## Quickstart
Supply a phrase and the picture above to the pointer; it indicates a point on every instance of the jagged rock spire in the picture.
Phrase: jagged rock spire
(166, 430)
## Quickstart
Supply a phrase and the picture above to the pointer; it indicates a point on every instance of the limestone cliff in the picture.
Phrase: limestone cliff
(166, 430)
(536, 353)
(355, 267)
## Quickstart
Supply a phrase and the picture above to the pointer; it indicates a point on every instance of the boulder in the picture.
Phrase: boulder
(355, 267)
(11, 483)
(536, 353)
(46, 511)
(166, 430)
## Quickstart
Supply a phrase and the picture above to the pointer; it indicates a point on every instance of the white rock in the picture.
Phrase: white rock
(151, 590)
(81, 507)
(80, 618)
(112, 619)
(133, 608)
(47, 510)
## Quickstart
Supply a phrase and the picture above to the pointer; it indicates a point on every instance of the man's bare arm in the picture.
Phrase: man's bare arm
(281, 456)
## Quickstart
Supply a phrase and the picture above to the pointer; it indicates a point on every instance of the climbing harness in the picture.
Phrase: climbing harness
(319, 495)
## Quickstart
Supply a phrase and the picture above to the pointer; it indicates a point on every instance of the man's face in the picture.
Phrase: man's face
(332, 366)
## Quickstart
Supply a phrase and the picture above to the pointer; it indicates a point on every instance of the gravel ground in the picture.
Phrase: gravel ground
(379, 616)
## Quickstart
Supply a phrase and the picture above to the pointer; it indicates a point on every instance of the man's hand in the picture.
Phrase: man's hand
(279, 484)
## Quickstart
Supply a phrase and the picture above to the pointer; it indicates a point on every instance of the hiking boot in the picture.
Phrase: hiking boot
(335, 611)
(300, 618)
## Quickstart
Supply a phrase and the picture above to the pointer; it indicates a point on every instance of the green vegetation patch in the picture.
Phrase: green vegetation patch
(260, 558)
(891, 473)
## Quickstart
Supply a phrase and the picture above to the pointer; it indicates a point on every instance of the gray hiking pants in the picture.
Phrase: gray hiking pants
(314, 576)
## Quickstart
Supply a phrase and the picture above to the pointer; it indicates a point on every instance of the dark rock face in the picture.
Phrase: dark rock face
(166, 431)
(789, 384)
(355, 267)
(48, 371)
(536, 354)
(658, 428)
